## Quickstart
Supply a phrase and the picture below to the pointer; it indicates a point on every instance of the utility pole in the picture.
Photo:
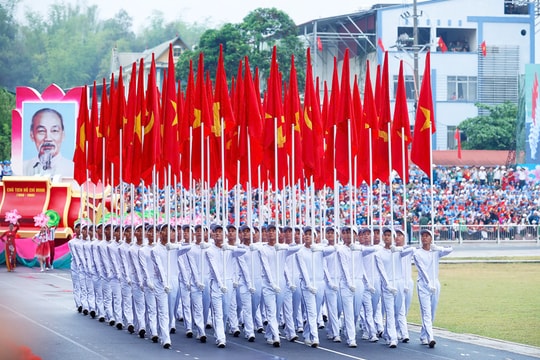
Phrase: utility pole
(415, 51)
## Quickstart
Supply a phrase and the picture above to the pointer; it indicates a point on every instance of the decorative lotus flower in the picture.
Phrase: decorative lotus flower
(13, 216)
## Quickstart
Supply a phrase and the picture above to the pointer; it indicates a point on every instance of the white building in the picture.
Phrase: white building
(460, 76)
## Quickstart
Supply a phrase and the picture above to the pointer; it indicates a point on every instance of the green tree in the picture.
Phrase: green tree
(7, 103)
(255, 37)
(495, 131)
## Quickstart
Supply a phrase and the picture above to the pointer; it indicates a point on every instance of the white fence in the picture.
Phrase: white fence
(480, 233)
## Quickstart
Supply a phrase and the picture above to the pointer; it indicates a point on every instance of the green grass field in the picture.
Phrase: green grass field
(500, 301)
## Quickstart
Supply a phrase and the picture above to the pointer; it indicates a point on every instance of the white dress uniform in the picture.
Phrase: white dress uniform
(147, 272)
(389, 265)
(117, 274)
(107, 276)
(98, 277)
(137, 288)
(429, 287)
(75, 275)
(161, 279)
(371, 299)
(332, 295)
(89, 269)
(220, 263)
(199, 289)
(126, 283)
(244, 292)
(312, 282)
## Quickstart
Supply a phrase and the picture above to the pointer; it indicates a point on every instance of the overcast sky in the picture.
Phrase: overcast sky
(217, 11)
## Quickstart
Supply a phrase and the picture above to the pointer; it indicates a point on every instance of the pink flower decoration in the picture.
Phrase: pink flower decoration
(13, 216)
(41, 220)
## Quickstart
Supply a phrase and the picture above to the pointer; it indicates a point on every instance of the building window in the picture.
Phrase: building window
(177, 50)
(409, 86)
(513, 7)
(461, 88)
(451, 137)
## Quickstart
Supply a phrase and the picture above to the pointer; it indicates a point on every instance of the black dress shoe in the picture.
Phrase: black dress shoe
(236, 333)
(260, 330)
(432, 344)
(189, 334)
(221, 345)
(325, 318)
(406, 340)
(172, 331)
(276, 344)
(119, 326)
(265, 322)
(155, 339)
(167, 346)
(85, 312)
(102, 319)
(112, 322)
(203, 339)
(208, 326)
(251, 339)
(93, 314)
(131, 329)
(141, 333)
(79, 309)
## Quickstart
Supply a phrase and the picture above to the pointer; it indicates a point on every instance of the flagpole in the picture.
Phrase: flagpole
(391, 193)
(431, 181)
(404, 180)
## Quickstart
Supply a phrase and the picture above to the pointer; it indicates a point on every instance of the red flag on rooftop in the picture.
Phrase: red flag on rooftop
(401, 130)
(483, 47)
(424, 125)
(319, 44)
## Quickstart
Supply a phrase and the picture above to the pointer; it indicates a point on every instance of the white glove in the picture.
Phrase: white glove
(406, 290)
(333, 287)
(352, 288)
(129, 282)
(200, 286)
(171, 246)
(280, 247)
(316, 248)
(252, 290)
(371, 289)
(167, 289)
(312, 290)
(235, 285)
(254, 247)
(434, 247)
(432, 289)
(393, 290)
(356, 247)
(396, 248)
(223, 289)
(226, 247)
(151, 286)
(204, 245)
(276, 289)
(292, 288)
(141, 285)
(188, 287)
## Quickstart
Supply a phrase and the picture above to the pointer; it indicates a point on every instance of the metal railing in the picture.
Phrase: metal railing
(480, 233)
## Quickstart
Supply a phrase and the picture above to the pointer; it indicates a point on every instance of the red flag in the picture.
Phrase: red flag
(368, 129)
(483, 47)
(345, 140)
(91, 135)
(186, 123)
(380, 44)
(319, 43)
(312, 132)
(118, 109)
(358, 115)
(329, 122)
(294, 117)
(457, 136)
(442, 45)
(129, 130)
(274, 124)
(151, 156)
(424, 125)
(381, 156)
(79, 156)
(171, 148)
(97, 172)
(401, 130)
